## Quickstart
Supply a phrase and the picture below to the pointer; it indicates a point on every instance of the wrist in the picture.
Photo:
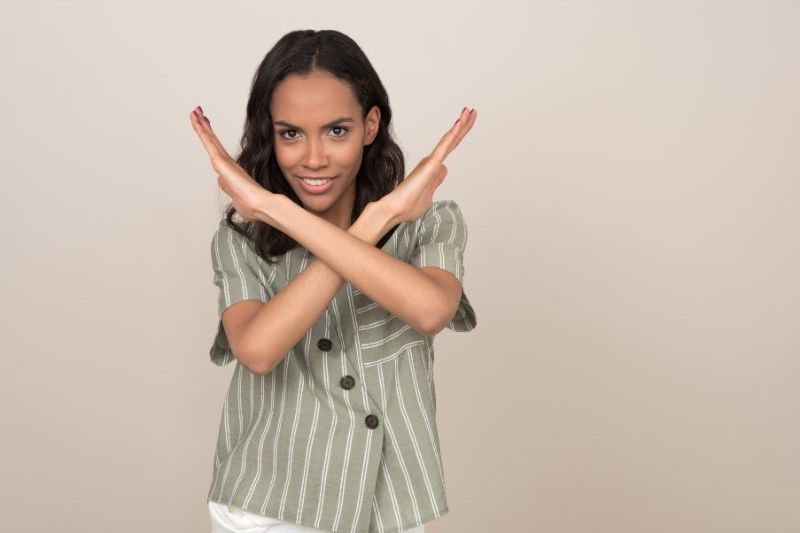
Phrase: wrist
(267, 206)
(385, 212)
(373, 223)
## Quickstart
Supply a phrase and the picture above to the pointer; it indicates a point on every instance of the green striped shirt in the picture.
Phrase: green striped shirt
(342, 434)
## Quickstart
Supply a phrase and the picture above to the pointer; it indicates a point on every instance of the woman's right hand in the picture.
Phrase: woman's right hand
(245, 192)
(414, 196)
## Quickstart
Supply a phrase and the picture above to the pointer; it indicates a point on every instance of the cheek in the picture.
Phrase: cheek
(285, 156)
(348, 154)
(280, 151)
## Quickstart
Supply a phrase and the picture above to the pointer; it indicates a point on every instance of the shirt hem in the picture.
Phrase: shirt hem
(403, 527)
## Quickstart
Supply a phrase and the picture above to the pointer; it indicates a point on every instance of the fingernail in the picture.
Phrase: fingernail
(200, 108)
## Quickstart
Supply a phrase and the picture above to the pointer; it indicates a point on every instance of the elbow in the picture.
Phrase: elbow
(432, 332)
(259, 368)
(255, 356)
(258, 363)
(442, 305)
(433, 322)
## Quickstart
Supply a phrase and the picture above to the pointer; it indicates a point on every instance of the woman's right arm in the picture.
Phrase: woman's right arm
(261, 334)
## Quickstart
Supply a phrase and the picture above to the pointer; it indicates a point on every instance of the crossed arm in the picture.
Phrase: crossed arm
(425, 298)
(262, 333)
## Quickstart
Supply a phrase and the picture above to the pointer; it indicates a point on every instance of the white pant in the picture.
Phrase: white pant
(231, 519)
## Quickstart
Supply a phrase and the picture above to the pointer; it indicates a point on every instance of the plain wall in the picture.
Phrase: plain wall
(631, 192)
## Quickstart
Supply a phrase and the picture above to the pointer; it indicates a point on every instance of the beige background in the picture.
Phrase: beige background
(631, 189)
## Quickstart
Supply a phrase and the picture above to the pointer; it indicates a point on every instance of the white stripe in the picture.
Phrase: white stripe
(363, 386)
(251, 433)
(329, 444)
(377, 512)
(384, 468)
(395, 443)
(259, 465)
(410, 427)
(349, 446)
(394, 354)
(428, 425)
(290, 456)
(367, 307)
(309, 447)
(385, 340)
(281, 410)
(378, 323)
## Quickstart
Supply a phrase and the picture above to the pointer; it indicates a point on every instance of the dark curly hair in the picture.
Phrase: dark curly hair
(300, 52)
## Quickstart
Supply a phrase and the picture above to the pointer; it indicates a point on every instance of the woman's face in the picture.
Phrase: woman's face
(319, 133)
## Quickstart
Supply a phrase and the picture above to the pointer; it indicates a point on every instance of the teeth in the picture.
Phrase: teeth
(316, 182)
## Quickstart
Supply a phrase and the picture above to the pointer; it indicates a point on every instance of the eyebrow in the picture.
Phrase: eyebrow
(324, 126)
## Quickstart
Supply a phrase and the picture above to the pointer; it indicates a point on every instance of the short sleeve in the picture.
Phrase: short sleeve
(237, 276)
(441, 242)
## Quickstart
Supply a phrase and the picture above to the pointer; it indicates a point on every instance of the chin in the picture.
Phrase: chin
(317, 203)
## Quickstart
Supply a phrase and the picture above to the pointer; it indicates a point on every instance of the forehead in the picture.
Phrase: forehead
(316, 97)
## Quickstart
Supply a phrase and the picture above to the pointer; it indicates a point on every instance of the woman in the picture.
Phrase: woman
(331, 290)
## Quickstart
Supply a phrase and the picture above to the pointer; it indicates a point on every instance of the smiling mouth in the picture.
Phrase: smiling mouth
(316, 185)
(316, 181)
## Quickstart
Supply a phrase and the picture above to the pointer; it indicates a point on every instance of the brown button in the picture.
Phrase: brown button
(347, 382)
(371, 421)
(324, 344)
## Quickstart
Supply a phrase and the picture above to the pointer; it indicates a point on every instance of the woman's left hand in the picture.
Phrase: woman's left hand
(245, 192)
(414, 196)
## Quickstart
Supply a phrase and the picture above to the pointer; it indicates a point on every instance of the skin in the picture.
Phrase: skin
(261, 334)
(317, 149)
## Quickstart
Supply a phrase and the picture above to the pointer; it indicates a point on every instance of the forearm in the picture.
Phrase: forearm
(396, 286)
(282, 322)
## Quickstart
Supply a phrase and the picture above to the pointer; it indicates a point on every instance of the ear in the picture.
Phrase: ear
(371, 125)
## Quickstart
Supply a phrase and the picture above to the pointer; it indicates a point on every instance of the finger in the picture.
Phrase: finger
(465, 128)
(214, 146)
(470, 121)
(441, 149)
(208, 143)
(205, 125)
(459, 133)
(450, 140)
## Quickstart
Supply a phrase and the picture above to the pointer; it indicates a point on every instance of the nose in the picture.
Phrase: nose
(315, 156)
